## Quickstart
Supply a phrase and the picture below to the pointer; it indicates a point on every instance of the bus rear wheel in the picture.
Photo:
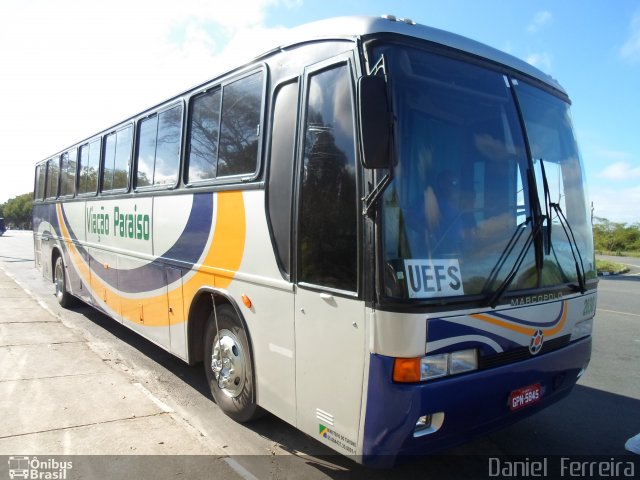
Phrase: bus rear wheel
(65, 299)
(228, 365)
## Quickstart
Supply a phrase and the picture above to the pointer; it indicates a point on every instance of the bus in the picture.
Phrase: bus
(376, 231)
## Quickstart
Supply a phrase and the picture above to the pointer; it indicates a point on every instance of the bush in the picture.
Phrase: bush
(615, 237)
(17, 211)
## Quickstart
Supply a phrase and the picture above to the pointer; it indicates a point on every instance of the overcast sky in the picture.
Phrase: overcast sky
(69, 68)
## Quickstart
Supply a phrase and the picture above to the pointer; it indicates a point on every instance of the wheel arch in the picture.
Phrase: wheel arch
(199, 311)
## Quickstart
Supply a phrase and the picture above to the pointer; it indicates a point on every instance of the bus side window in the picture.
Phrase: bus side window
(68, 173)
(117, 158)
(167, 164)
(328, 249)
(40, 181)
(224, 130)
(240, 126)
(283, 137)
(89, 164)
(158, 159)
(147, 137)
(53, 177)
(204, 125)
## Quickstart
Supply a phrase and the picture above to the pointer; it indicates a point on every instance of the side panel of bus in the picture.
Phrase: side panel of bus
(146, 258)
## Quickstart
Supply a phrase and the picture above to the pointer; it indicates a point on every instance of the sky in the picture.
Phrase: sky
(70, 68)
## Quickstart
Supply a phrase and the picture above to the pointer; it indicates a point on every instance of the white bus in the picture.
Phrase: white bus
(386, 223)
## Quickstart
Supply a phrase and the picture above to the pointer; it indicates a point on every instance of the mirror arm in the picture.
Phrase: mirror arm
(370, 200)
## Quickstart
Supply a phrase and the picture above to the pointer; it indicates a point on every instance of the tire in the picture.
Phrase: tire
(65, 299)
(235, 393)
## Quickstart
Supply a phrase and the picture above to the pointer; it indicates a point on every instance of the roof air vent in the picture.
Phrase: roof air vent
(393, 18)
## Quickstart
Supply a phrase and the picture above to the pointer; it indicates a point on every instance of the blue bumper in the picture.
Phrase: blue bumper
(474, 404)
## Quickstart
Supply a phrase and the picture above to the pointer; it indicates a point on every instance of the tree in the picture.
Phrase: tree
(615, 237)
(17, 211)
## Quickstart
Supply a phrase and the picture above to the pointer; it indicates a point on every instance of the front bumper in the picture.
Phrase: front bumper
(473, 404)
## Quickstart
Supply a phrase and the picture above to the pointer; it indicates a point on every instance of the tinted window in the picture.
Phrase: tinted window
(159, 149)
(148, 133)
(68, 173)
(328, 223)
(53, 176)
(122, 159)
(117, 155)
(224, 126)
(109, 159)
(241, 107)
(203, 142)
(283, 135)
(40, 181)
(168, 147)
(89, 161)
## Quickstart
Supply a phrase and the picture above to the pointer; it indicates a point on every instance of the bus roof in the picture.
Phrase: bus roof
(355, 27)
(352, 27)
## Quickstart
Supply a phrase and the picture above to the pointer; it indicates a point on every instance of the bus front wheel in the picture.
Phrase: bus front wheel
(228, 365)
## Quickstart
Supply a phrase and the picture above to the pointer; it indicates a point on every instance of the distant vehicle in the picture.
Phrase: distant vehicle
(378, 232)
(3, 227)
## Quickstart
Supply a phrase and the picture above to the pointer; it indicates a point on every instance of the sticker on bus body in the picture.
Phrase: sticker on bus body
(433, 278)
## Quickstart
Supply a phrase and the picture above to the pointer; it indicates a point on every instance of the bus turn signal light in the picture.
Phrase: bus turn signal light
(406, 370)
(247, 301)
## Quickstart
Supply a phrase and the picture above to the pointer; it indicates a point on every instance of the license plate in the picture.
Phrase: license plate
(525, 396)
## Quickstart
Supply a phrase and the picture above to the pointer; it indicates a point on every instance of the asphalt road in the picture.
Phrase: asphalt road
(596, 419)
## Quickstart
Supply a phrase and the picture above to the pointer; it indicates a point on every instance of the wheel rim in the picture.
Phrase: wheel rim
(59, 279)
(228, 363)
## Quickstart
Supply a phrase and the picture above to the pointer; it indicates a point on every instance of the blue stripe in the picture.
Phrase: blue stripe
(439, 329)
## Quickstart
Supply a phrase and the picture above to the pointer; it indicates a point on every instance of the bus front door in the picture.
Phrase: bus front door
(330, 344)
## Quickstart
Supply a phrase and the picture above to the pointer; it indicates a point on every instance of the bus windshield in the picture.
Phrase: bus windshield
(468, 211)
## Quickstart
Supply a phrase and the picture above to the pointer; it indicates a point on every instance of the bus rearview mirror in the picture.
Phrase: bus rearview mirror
(375, 121)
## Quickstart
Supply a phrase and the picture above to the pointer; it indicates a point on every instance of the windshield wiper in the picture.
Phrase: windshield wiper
(547, 207)
(573, 245)
(537, 219)
(494, 297)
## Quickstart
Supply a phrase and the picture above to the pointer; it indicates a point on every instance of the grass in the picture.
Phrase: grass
(624, 253)
(611, 267)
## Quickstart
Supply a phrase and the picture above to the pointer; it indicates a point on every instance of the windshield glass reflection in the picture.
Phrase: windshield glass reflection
(459, 204)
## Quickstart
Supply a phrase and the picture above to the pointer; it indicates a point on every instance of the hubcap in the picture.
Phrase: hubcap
(228, 363)
(59, 279)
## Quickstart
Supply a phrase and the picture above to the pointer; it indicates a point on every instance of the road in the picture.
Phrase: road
(596, 419)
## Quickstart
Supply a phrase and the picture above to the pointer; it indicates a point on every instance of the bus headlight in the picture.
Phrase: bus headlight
(434, 366)
(463, 361)
(412, 370)
(582, 329)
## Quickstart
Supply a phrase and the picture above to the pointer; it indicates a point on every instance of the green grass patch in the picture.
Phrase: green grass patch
(612, 267)
(623, 253)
